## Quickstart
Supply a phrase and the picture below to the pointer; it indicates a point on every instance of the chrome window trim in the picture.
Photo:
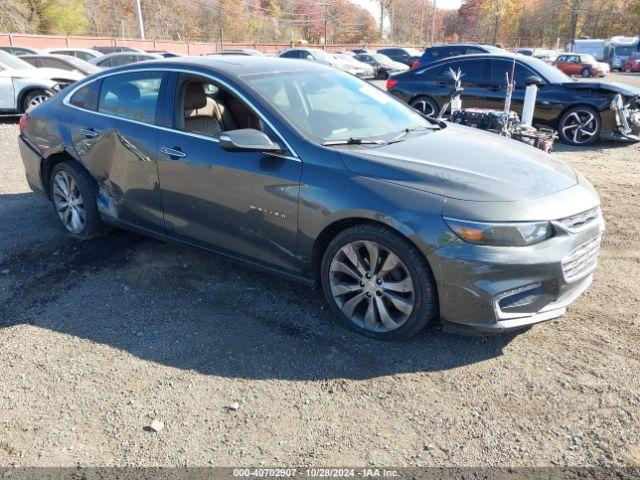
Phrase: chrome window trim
(67, 98)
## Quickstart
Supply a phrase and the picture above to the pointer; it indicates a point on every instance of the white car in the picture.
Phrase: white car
(23, 86)
(85, 54)
(319, 56)
(355, 67)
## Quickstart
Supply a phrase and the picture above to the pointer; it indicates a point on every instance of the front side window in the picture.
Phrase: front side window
(500, 69)
(335, 106)
(54, 63)
(208, 109)
(133, 96)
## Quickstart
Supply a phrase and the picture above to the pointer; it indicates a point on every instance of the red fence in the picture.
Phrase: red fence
(185, 48)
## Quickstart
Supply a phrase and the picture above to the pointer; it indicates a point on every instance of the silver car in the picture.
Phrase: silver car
(23, 86)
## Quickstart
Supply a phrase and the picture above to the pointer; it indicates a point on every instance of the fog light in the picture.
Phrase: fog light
(519, 297)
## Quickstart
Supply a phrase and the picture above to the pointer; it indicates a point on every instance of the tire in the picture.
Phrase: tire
(585, 73)
(426, 106)
(34, 98)
(363, 303)
(577, 128)
(82, 187)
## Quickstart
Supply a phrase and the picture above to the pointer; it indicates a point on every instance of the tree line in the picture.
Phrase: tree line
(534, 23)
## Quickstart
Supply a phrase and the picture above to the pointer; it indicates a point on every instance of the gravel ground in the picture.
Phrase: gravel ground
(98, 339)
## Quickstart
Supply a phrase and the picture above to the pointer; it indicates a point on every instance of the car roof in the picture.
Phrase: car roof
(496, 55)
(230, 65)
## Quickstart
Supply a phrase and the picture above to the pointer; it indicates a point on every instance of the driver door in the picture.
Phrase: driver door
(241, 203)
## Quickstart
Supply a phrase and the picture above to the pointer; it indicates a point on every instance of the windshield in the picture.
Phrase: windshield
(13, 62)
(320, 54)
(625, 50)
(548, 71)
(331, 106)
(588, 59)
(381, 58)
(413, 52)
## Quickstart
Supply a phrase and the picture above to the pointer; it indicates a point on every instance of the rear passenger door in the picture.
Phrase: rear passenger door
(241, 203)
(115, 137)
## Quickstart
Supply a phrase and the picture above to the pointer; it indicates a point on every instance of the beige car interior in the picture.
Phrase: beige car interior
(208, 110)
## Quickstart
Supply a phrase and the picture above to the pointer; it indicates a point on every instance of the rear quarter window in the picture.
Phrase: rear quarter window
(87, 97)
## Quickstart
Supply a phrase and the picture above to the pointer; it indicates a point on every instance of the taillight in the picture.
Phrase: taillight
(23, 122)
(391, 83)
(415, 64)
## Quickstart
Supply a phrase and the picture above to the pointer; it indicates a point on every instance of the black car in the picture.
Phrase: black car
(581, 112)
(440, 52)
(400, 54)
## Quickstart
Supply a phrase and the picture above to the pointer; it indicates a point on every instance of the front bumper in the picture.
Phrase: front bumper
(499, 289)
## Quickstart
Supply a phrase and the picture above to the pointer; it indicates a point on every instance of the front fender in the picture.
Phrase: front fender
(417, 215)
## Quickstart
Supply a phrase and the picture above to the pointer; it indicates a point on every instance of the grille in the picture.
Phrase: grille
(580, 220)
(581, 261)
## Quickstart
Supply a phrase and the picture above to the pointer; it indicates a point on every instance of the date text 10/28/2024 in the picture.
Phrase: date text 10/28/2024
(315, 472)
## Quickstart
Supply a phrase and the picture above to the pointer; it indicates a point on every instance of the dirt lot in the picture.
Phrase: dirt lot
(99, 339)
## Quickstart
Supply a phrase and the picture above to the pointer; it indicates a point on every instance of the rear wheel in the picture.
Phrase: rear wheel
(426, 106)
(378, 283)
(580, 126)
(34, 98)
(73, 193)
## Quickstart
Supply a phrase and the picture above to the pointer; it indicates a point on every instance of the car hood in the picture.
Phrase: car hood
(626, 90)
(464, 163)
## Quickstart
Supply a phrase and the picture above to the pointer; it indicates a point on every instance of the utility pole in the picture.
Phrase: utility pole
(140, 22)
(421, 31)
(574, 22)
(381, 22)
(393, 20)
(433, 22)
(326, 15)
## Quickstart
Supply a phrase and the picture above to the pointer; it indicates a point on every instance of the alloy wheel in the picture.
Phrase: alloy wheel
(580, 126)
(372, 286)
(68, 202)
(38, 100)
(423, 106)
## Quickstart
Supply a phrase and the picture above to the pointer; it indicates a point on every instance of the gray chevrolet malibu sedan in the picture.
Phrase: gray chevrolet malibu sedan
(311, 173)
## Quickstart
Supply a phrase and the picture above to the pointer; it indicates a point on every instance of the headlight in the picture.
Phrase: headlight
(504, 234)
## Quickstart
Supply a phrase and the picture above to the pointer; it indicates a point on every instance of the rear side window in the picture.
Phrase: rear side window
(133, 96)
(87, 97)
(122, 60)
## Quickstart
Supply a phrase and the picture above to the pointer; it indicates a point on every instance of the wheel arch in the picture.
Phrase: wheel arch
(48, 164)
(23, 94)
(574, 105)
(330, 231)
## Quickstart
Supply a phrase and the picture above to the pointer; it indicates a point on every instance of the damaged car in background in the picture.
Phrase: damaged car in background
(580, 111)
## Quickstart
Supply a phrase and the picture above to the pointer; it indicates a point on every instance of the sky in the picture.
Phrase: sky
(374, 7)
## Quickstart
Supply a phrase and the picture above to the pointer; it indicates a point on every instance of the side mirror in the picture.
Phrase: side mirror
(534, 80)
(247, 140)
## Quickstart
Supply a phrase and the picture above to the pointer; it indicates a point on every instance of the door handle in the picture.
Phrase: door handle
(88, 132)
(173, 152)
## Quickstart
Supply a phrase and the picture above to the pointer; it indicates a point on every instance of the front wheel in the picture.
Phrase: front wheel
(585, 73)
(426, 106)
(580, 126)
(378, 283)
(73, 193)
